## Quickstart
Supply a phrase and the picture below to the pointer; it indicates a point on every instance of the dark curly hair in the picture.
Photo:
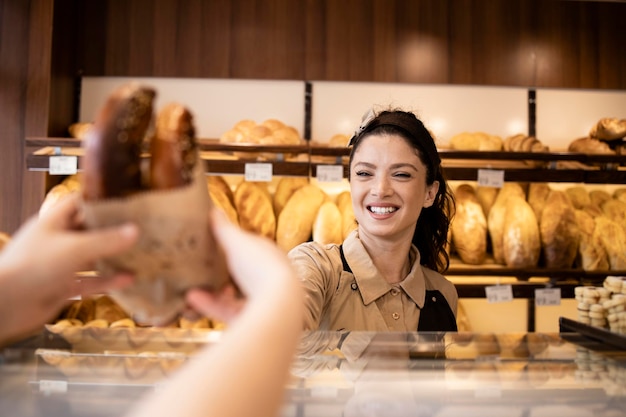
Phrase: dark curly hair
(431, 232)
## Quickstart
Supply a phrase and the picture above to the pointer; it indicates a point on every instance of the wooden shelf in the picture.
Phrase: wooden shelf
(303, 160)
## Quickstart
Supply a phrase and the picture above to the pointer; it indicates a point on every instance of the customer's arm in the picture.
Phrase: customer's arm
(244, 374)
(38, 267)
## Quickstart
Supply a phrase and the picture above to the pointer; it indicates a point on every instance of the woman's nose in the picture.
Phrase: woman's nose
(381, 187)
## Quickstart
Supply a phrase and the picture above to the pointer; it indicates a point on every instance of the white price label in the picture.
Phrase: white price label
(261, 172)
(548, 296)
(491, 178)
(329, 173)
(50, 386)
(63, 165)
(499, 293)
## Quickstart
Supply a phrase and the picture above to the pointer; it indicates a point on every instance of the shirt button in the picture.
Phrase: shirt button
(395, 291)
(395, 316)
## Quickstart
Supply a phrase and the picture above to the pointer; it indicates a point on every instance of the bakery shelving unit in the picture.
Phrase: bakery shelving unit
(303, 160)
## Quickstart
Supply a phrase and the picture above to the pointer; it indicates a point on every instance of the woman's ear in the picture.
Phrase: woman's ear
(431, 194)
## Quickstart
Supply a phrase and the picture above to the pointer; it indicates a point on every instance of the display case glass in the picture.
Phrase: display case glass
(102, 372)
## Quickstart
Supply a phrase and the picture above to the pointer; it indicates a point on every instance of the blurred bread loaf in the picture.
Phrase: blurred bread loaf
(254, 208)
(469, 227)
(609, 128)
(559, 231)
(521, 243)
(284, 190)
(486, 197)
(295, 222)
(591, 253)
(496, 218)
(348, 221)
(613, 238)
(476, 141)
(537, 194)
(589, 146)
(327, 225)
(579, 196)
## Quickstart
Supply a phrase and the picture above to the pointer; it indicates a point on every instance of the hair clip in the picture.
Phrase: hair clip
(365, 121)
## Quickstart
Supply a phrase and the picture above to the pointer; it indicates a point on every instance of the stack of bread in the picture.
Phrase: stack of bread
(605, 137)
(604, 306)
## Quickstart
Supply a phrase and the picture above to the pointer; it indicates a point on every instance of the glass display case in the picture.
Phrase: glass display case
(102, 372)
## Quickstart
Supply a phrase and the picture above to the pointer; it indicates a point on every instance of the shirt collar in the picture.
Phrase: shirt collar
(371, 284)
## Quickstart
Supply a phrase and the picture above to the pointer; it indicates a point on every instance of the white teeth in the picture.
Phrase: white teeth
(382, 210)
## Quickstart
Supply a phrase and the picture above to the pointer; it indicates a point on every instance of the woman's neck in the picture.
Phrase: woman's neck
(391, 257)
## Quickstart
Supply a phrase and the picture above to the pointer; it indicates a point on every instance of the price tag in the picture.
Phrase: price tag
(490, 177)
(329, 173)
(260, 172)
(50, 386)
(548, 296)
(499, 293)
(63, 165)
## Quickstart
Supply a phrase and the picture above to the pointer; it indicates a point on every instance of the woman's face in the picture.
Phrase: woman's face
(388, 187)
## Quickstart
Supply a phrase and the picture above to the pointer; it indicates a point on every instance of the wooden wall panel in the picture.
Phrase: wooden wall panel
(551, 43)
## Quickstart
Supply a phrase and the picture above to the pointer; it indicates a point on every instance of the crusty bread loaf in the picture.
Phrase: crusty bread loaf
(589, 146)
(620, 194)
(222, 202)
(486, 197)
(609, 128)
(521, 243)
(615, 210)
(537, 194)
(559, 231)
(613, 238)
(579, 196)
(348, 221)
(598, 197)
(327, 224)
(285, 188)
(254, 208)
(295, 222)
(217, 182)
(469, 227)
(591, 253)
(495, 220)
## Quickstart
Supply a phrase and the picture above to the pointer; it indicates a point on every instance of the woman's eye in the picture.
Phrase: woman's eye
(402, 175)
(362, 174)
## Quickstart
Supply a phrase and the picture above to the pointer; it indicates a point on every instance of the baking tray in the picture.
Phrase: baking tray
(598, 334)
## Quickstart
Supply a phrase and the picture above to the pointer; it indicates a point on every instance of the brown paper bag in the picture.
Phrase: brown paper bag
(176, 249)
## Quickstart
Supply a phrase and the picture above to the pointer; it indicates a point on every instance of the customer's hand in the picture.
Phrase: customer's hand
(254, 262)
(38, 267)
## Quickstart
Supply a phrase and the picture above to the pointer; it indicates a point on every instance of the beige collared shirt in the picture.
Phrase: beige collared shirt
(362, 300)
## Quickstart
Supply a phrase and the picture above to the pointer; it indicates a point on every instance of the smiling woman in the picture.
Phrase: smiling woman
(386, 275)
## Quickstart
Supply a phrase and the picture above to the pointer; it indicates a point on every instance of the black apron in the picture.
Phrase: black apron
(435, 316)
